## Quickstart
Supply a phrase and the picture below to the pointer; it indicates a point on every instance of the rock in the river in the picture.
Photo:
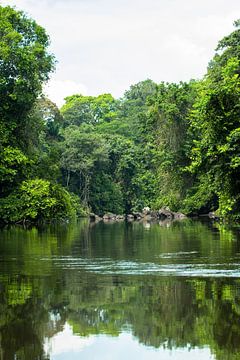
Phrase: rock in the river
(109, 216)
(120, 217)
(94, 217)
(212, 215)
(146, 215)
(146, 210)
(166, 213)
(154, 214)
(179, 216)
(138, 215)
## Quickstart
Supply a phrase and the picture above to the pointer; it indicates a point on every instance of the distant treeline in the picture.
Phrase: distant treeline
(168, 144)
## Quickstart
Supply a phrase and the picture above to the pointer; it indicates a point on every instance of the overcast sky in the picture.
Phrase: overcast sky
(104, 46)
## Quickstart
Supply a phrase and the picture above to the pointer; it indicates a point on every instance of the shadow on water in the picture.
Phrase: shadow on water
(169, 286)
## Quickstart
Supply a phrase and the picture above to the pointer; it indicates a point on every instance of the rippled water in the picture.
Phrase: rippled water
(120, 290)
(109, 266)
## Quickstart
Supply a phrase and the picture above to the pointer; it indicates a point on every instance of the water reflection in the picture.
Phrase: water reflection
(104, 286)
(94, 347)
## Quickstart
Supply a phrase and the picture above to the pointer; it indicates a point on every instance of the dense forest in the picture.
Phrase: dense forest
(167, 144)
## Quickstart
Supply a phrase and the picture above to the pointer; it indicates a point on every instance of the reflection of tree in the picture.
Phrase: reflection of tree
(37, 297)
(159, 311)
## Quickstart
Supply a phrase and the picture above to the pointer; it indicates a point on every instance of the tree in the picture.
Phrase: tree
(25, 65)
(80, 109)
(215, 121)
(46, 149)
(48, 111)
(133, 109)
(82, 151)
(167, 128)
(14, 166)
(25, 128)
(36, 200)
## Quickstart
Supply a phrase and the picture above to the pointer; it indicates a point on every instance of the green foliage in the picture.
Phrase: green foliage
(12, 162)
(80, 109)
(46, 110)
(164, 144)
(215, 121)
(105, 195)
(82, 152)
(45, 150)
(133, 110)
(79, 208)
(168, 128)
(25, 65)
(201, 197)
(27, 130)
(36, 200)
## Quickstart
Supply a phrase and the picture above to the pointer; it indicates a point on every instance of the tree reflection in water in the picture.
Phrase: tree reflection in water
(48, 281)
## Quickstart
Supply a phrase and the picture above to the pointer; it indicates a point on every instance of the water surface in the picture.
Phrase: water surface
(120, 290)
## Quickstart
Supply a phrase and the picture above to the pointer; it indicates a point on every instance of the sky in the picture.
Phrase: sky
(104, 46)
(67, 345)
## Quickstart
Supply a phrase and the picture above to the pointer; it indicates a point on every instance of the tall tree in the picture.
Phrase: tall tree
(25, 65)
(216, 123)
(80, 109)
(167, 128)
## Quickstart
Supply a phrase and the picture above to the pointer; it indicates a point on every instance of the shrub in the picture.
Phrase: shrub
(37, 200)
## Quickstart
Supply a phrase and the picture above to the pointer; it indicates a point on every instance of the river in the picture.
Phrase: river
(111, 291)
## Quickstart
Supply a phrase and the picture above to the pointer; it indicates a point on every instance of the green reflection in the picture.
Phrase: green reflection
(47, 278)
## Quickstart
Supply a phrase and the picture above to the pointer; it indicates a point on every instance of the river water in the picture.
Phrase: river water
(112, 291)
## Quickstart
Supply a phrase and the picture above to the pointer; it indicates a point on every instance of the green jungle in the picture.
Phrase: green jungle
(167, 144)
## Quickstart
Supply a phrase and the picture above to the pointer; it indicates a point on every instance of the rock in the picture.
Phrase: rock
(179, 216)
(138, 215)
(166, 213)
(94, 217)
(130, 217)
(154, 214)
(147, 218)
(120, 217)
(213, 216)
(109, 216)
(146, 210)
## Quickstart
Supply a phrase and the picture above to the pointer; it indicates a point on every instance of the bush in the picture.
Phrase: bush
(37, 200)
(81, 211)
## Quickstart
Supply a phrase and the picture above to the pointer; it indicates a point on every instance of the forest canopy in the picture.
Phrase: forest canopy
(166, 144)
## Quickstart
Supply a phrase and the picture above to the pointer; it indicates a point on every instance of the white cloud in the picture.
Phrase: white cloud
(57, 90)
(109, 45)
(65, 341)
